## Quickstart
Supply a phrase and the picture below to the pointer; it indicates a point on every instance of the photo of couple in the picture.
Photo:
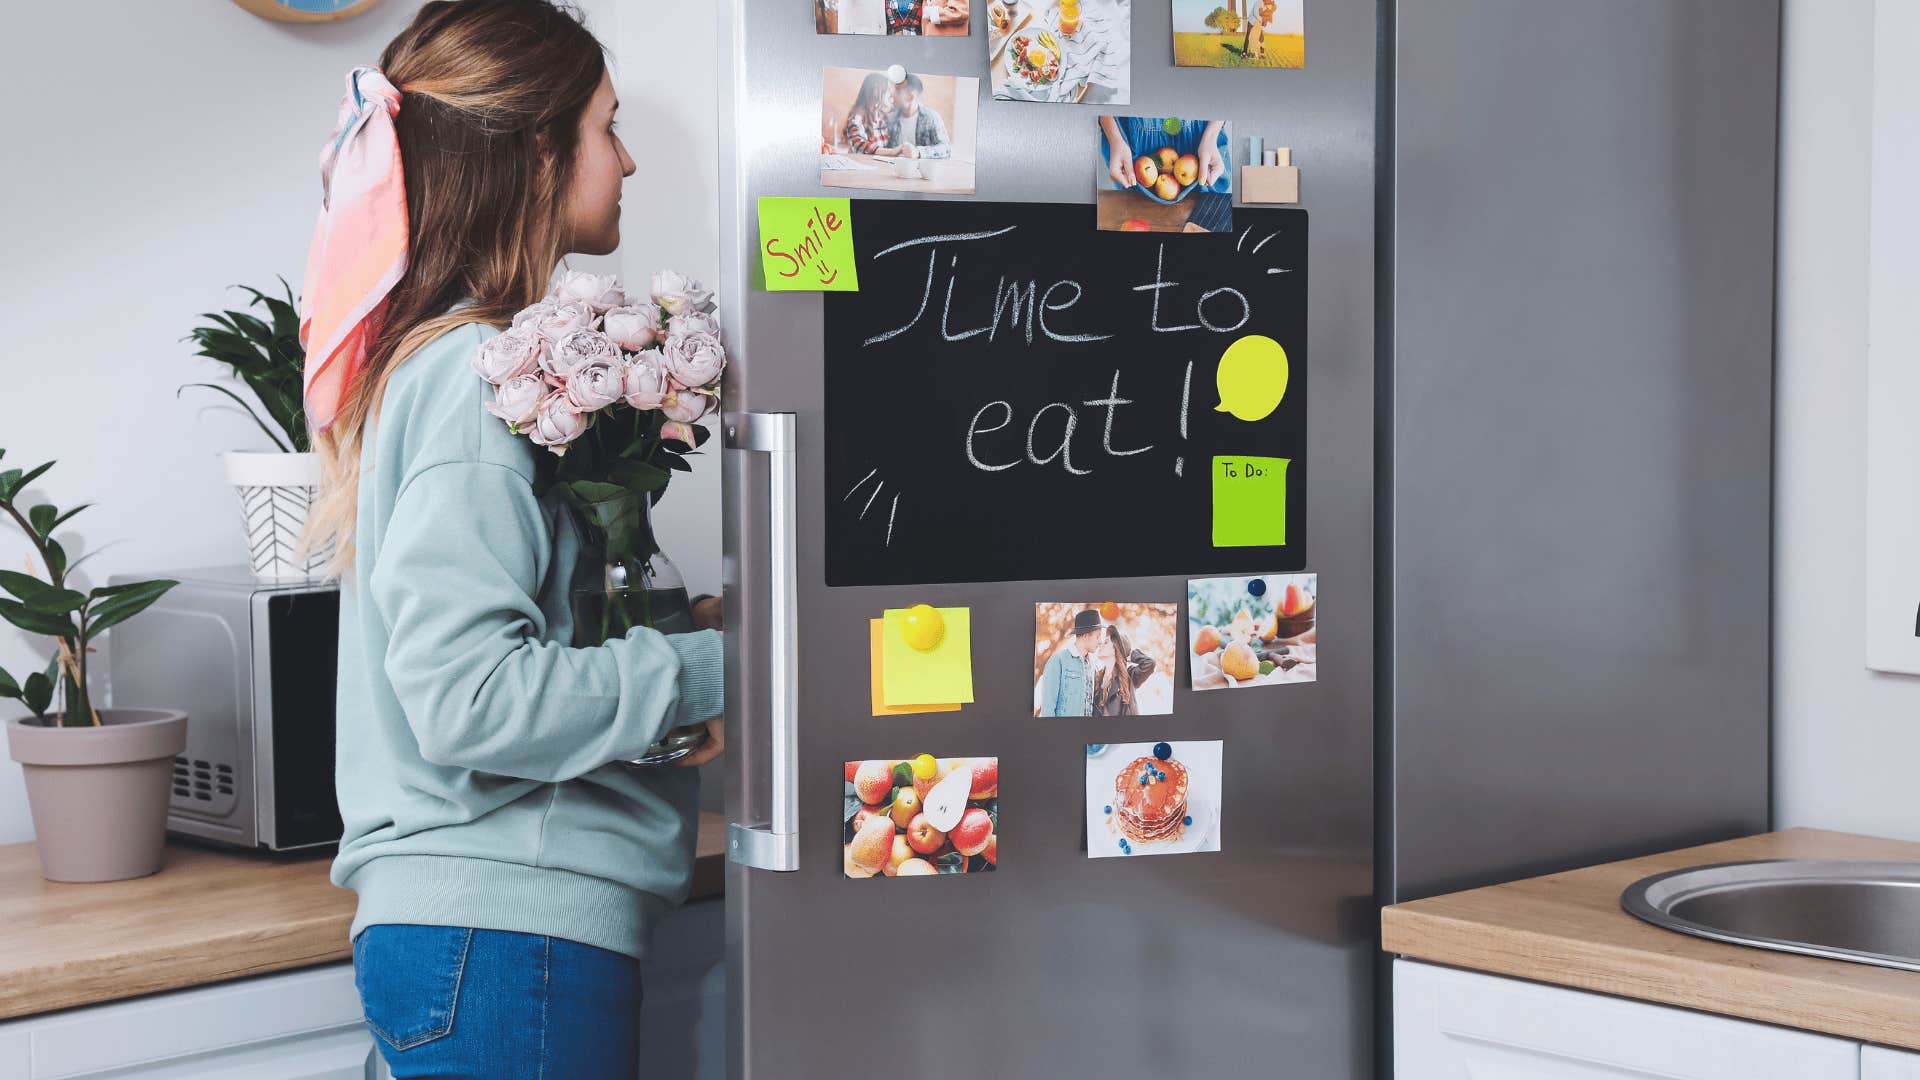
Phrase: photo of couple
(1104, 659)
(899, 131)
(935, 18)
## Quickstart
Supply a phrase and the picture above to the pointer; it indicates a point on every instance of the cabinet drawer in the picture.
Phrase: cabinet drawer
(1880, 1063)
(1459, 1025)
(154, 1029)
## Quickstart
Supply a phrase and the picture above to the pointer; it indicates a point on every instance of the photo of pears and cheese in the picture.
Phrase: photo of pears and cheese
(921, 817)
(1252, 631)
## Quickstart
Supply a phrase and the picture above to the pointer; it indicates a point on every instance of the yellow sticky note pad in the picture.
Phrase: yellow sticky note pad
(1249, 501)
(806, 245)
(877, 627)
(940, 676)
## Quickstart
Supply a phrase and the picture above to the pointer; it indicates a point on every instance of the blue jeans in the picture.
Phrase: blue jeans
(447, 1001)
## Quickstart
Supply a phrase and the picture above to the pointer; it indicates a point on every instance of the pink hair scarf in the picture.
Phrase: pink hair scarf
(359, 249)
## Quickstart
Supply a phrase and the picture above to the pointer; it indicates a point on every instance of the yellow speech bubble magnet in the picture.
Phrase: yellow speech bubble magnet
(1252, 378)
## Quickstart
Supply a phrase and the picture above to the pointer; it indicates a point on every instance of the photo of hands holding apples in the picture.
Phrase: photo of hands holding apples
(920, 817)
(1252, 631)
(1163, 174)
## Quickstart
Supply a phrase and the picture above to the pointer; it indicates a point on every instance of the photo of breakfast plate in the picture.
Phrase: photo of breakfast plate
(1060, 50)
(1034, 58)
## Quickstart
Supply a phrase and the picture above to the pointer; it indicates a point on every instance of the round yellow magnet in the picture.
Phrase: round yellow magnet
(924, 767)
(923, 627)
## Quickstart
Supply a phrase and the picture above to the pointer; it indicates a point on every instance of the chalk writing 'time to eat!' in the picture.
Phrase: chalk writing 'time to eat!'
(1022, 308)
(1020, 312)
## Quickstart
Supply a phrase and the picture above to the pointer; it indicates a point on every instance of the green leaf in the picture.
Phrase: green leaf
(19, 481)
(34, 621)
(8, 688)
(852, 805)
(238, 400)
(951, 863)
(62, 519)
(903, 775)
(126, 605)
(56, 561)
(37, 694)
(41, 596)
(42, 517)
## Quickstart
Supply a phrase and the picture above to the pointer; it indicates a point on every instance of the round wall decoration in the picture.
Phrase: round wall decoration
(306, 10)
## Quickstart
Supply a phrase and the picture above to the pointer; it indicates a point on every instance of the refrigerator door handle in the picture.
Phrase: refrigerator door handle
(775, 845)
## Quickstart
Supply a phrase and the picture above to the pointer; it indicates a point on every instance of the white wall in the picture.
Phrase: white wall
(180, 159)
(1846, 739)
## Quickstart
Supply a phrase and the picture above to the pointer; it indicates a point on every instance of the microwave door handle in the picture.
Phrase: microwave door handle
(775, 845)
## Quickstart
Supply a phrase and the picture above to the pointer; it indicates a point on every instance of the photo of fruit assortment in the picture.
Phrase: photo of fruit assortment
(1152, 798)
(921, 816)
(1252, 631)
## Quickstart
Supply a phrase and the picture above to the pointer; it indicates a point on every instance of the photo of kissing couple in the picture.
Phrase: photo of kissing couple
(1103, 659)
(898, 130)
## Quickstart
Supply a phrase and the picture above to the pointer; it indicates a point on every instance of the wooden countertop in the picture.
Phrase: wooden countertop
(207, 916)
(1568, 929)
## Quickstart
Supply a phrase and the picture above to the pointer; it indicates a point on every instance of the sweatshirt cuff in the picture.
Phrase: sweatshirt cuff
(702, 675)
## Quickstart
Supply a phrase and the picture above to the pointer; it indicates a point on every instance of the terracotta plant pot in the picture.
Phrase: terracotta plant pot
(99, 794)
(276, 493)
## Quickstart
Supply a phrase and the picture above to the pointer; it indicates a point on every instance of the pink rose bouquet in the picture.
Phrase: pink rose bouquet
(611, 384)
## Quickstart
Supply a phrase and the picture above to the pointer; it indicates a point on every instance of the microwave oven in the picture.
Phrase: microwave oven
(252, 664)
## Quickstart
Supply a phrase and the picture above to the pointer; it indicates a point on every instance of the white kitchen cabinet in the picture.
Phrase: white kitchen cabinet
(304, 1025)
(1880, 1063)
(1459, 1025)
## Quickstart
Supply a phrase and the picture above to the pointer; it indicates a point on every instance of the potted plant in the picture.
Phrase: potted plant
(277, 488)
(97, 779)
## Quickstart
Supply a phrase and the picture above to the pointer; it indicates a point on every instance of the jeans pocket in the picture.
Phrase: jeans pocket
(409, 980)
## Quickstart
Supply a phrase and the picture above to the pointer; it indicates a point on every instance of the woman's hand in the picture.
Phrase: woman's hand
(715, 745)
(709, 613)
(1120, 161)
(1212, 165)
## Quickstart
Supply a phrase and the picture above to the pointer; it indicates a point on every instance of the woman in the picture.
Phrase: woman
(868, 116)
(1119, 669)
(508, 869)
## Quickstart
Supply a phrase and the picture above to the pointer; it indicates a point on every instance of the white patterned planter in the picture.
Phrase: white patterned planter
(276, 490)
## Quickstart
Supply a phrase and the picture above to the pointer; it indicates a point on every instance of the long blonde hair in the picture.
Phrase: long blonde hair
(492, 93)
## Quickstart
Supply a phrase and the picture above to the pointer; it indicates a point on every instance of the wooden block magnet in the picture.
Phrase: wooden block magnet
(1270, 183)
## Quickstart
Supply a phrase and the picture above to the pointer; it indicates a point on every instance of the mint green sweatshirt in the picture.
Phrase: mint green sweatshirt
(478, 751)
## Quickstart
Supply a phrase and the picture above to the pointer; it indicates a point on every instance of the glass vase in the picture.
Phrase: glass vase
(622, 580)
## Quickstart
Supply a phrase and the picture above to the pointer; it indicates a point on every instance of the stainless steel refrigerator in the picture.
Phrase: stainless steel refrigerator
(1259, 960)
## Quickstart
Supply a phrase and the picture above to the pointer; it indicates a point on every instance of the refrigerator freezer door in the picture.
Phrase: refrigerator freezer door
(1579, 549)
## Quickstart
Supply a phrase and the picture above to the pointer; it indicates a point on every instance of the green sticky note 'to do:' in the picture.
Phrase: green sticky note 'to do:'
(1249, 501)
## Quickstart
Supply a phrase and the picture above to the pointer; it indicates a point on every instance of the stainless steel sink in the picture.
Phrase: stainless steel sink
(1841, 909)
